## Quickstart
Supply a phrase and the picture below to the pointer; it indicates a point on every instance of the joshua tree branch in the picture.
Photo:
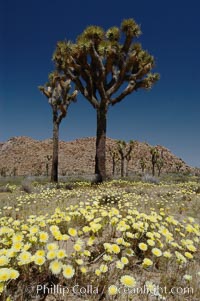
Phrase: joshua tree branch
(63, 113)
(98, 71)
(128, 90)
(115, 75)
(82, 89)
(127, 43)
(45, 92)
(120, 79)
(121, 76)
(98, 62)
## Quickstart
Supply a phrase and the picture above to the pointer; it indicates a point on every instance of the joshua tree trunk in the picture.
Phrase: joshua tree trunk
(122, 166)
(100, 158)
(54, 170)
(114, 156)
(127, 167)
(153, 169)
(47, 169)
(154, 158)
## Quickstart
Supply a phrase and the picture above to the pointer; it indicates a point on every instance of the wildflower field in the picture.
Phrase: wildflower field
(116, 241)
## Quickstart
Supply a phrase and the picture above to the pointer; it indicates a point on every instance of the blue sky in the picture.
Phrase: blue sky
(166, 115)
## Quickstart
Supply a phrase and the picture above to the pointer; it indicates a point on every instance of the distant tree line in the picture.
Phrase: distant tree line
(121, 155)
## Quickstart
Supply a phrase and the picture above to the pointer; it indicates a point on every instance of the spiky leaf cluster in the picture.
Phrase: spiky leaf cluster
(154, 154)
(131, 28)
(57, 90)
(113, 34)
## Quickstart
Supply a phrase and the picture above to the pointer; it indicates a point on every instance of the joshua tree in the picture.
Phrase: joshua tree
(154, 158)
(115, 157)
(129, 156)
(124, 150)
(14, 171)
(160, 164)
(3, 171)
(48, 157)
(143, 164)
(57, 91)
(101, 64)
(178, 165)
(37, 168)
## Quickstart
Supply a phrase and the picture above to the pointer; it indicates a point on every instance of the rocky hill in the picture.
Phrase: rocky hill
(26, 156)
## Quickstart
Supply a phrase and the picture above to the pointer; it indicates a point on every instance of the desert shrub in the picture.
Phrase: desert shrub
(150, 179)
(109, 199)
(95, 180)
(178, 178)
(69, 186)
(5, 189)
(26, 186)
(197, 190)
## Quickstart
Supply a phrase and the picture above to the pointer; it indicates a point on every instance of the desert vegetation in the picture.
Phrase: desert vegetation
(117, 237)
